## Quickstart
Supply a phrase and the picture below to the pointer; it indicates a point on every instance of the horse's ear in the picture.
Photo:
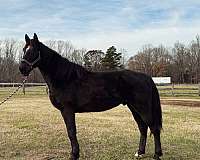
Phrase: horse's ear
(35, 37)
(27, 39)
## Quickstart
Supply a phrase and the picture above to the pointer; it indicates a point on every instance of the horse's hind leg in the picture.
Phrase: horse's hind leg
(143, 132)
(158, 150)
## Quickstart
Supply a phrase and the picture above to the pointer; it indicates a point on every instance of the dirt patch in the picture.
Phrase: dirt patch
(181, 102)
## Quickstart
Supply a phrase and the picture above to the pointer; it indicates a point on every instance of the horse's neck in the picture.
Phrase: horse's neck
(50, 67)
(56, 69)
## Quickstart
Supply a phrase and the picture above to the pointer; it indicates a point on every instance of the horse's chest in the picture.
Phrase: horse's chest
(57, 99)
(56, 102)
(61, 98)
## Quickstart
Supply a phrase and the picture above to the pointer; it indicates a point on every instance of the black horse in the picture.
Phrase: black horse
(73, 89)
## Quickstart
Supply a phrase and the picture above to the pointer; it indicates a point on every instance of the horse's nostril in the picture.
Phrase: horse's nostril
(24, 69)
(20, 68)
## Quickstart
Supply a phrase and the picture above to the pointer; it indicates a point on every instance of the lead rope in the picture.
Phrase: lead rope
(23, 82)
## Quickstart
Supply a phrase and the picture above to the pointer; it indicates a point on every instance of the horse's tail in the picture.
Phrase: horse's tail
(156, 110)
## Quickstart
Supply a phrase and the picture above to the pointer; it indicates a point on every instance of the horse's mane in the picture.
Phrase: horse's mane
(64, 69)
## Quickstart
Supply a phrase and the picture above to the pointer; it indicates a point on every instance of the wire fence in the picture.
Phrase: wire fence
(170, 90)
(29, 89)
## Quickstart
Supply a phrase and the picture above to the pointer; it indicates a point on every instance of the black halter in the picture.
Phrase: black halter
(34, 62)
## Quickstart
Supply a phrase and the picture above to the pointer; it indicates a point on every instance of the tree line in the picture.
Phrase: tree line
(181, 62)
(94, 60)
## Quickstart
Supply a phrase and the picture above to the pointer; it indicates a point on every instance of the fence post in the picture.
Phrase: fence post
(173, 89)
(23, 86)
(47, 90)
(199, 88)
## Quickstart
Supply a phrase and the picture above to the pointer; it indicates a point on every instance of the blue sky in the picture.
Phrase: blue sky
(98, 24)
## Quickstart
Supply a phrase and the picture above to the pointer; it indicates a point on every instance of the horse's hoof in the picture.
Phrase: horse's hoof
(137, 155)
(74, 157)
(156, 157)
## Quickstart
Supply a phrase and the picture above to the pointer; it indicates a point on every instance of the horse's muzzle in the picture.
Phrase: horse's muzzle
(25, 69)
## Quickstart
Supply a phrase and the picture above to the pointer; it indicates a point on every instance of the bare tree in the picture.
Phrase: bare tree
(92, 60)
(9, 65)
(64, 48)
(161, 60)
(180, 61)
(154, 61)
(193, 60)
(78, 56)
(1, 62)
(142, 61)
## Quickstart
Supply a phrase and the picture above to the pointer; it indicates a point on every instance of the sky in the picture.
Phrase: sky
(99, 24)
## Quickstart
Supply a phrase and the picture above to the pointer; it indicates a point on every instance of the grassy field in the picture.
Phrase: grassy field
(31, 129)
(180, 91)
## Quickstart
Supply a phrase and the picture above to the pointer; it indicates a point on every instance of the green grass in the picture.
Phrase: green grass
(180, 91)
(30, 128)
(29, 92)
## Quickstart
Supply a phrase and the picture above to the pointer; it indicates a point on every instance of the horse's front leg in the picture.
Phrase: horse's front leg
(69, 118)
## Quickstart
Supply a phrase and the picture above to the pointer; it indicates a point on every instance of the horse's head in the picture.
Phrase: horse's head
(31, 57)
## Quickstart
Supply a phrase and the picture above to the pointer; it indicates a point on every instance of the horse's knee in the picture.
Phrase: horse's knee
(71, 133)
(155, 132)
(143, 129)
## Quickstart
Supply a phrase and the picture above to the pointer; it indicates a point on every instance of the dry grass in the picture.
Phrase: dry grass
(30, 128)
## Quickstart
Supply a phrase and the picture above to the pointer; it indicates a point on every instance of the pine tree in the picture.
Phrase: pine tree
(112, 59)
